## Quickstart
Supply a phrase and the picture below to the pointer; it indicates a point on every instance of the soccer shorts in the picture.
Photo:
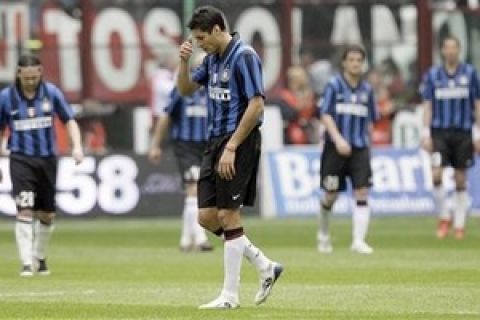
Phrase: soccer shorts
(214, 191)
(335, 168)
(452, 147)
(33, 182)
(189, 158)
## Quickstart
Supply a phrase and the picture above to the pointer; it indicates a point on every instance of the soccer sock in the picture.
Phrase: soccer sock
(361, 217)
(325, 212)
(234, 246)
(187, 221)
(460, 209)
(24, 238)
(198, 232)
(439, 197)
(254, 255)
(42, 234)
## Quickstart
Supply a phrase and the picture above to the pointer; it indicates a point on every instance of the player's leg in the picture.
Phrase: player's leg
(360, 222)
(22, 176)
(462, 159)
(461, 202)
(197, 232)
(332, 181)
(43, 229)
(360, 173)
(440, 158)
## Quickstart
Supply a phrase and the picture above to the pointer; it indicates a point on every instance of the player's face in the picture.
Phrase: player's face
(450, 51)
(353, 63)
(207, 41)
(29, 77)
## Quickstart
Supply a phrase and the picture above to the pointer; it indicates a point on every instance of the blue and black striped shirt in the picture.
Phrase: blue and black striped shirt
(352, 109)
(189, 116)
(30, 121)
(232, 80)
(452, 96)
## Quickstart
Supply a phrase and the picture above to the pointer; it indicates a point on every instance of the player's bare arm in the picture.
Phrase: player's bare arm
(342, 146)
(155, 151)
(226, 164)
(76, 138)
(185, 84)
(427, 143)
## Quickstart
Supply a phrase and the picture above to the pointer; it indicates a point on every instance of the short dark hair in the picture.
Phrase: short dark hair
(450, 37)
(28, 60)
(205, 18)
(354, 48)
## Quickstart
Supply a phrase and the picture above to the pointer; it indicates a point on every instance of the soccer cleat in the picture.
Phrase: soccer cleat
(324, 245)
(267, 280)
(361, 247)
(26, 271)
(459, 234)
(220, 303)
(42, 268)
(443, 228)
(204, 247)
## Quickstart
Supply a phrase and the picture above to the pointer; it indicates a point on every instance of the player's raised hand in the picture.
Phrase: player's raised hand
(427, 144)
(154, 155)
(77, 155)
(186, 49)
(343, 147)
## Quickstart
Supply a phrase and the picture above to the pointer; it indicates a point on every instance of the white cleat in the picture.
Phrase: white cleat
(324, 245)
(267, 280)
(361, 247)
(220, 303)
(26, 271)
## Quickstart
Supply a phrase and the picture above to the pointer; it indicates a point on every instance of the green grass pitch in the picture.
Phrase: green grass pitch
(132, 269)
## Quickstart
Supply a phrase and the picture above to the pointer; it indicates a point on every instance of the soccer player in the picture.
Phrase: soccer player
(186, 117)
(28, 109)
(451, 94)
(232, 74)
(348, 111)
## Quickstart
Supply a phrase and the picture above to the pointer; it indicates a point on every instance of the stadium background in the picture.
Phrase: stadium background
(104, 53)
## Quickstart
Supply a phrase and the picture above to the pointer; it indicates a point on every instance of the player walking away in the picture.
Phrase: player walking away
(451, 94)
(348, 111)
(232, 74)
(28, 108)
(186, 117)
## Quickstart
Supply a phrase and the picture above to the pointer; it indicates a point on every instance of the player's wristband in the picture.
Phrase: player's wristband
(476, 133)
(426, 133)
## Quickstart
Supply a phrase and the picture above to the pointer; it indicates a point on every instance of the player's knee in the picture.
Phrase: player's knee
(46, 218)
(328, 200)
(437, 182)
(229, 218)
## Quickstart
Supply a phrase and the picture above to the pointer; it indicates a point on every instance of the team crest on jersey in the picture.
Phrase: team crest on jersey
(451, 83)
(214, 78)
(46, 107)
(364, 98)
(463, 80)
(31, 112)
(225, 75)
(354, 98)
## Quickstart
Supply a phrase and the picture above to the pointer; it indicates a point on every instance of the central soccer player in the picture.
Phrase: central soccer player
(232, 74)
(348, 111)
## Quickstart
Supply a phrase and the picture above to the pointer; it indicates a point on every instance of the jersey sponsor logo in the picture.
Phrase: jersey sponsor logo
(46, 107)
(31, 124)
(355, 109)
(452, 93)
(220, 94)
(196, 111)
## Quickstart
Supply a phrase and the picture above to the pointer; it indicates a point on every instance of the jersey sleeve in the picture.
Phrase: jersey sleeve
(200, 73)
(426, 87)
(249, 75)
(61, 106)
(475, 85)
(327, 103)
(4, 118)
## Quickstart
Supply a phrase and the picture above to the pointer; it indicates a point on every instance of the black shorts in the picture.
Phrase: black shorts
(335, 168)
(33, 182)
(452, 147)
(189, 158)
(214, 191)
